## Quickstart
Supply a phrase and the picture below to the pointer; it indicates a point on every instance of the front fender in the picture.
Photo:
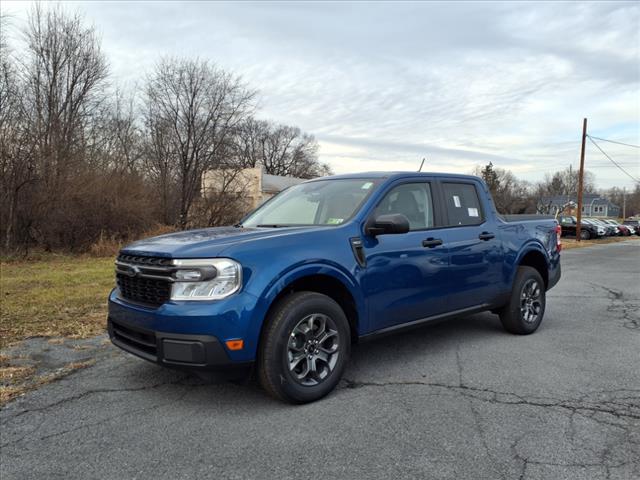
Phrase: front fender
(305, 269)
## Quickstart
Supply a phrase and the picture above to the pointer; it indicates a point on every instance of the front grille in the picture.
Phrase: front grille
(142, 260)
(144, 290)
(141, 341)
(145, 280)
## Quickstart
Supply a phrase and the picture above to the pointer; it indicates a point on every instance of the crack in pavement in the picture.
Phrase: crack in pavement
(526, 461)
(619, 303)
(476, 415)
(86, 393)
(102, 421)
(624, 408)
(602, 462)
(509, 398)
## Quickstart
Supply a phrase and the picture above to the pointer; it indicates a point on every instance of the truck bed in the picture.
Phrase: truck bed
(525, 217)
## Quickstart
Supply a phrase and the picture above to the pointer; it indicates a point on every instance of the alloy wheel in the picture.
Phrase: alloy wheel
(313, 349)
(531, 301)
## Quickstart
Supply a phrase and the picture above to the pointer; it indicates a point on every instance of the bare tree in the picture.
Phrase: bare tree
(115, 138)
(227, 199)
(565, 182)
(279, 149)
(16, 142)
(192, 108)
(63, 73)
(510, 194)
(82, 161)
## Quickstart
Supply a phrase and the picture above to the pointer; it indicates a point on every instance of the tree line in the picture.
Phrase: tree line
(82, 159)
(513, 195)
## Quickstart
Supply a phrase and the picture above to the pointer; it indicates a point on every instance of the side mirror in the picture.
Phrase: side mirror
(385, 224)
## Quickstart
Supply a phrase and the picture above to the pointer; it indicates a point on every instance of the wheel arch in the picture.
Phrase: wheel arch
(323, 279)
(534, 257)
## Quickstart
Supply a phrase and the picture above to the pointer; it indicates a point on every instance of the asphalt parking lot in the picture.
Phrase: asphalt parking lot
(459, 400)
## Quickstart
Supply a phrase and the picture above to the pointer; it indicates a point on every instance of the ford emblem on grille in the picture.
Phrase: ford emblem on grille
(131, 271)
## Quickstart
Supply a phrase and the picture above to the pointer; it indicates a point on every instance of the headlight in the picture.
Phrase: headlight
(206, 279)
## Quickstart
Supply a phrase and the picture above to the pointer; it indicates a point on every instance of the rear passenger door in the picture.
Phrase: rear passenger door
(475, 253)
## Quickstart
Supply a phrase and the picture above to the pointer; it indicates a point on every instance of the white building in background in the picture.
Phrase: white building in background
(252, 184)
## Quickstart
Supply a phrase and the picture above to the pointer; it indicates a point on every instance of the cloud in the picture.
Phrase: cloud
(384, 84)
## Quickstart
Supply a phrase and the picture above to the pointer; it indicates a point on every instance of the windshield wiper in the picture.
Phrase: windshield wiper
(270, 225)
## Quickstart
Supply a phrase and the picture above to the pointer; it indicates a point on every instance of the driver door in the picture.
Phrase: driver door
(405, 277)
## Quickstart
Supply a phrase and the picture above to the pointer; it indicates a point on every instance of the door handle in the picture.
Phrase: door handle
(486, 236)
(431, 242)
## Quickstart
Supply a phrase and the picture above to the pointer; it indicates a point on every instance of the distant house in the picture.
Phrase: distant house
(251, 184)
(593, 205)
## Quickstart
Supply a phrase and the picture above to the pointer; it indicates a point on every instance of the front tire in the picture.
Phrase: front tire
(523, 314)
(585, 235)
(304, 348)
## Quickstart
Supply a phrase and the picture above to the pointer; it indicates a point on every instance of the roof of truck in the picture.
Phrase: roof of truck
(395, 174)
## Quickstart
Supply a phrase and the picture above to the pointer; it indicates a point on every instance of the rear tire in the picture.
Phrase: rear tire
(525, 310)
(304, 348)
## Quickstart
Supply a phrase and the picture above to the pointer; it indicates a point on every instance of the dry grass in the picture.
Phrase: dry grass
(108, 246)
(10, 375)
(59, 295)
(569, 243)
(105, 246)
(13, 384)
(56, 295)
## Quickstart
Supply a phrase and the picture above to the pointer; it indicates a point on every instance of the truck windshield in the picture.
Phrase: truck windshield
(322, 202)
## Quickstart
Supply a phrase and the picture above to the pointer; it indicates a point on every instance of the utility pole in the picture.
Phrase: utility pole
(570, 189)
(581, 179)
(624, 203)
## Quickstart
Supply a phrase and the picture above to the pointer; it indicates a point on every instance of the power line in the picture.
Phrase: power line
(612, 160)
(614, 141)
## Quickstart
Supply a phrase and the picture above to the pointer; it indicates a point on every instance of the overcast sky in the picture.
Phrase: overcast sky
(382, 85)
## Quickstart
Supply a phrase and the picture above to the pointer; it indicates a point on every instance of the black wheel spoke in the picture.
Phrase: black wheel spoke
(295, 361)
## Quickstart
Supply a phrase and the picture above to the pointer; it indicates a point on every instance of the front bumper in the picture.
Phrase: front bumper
(187, 334)
(193, 352)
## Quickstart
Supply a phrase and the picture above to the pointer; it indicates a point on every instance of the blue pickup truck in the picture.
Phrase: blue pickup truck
(324, 264)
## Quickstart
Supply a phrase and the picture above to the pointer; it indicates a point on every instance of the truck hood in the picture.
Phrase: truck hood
(204, 243)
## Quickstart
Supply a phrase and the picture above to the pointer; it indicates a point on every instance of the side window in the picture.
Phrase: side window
(413, 200)
(462, 204)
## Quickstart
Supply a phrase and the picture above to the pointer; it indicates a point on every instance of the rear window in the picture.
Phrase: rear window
(462, 204)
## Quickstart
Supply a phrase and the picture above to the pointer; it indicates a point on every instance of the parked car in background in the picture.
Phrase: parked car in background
(569, 223)
(625, 230)
(610, 230)
(601, 229)
(633, 222)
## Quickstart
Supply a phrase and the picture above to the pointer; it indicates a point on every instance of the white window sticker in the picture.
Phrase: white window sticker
(473, 212)
(366, 186)
(456, 201)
